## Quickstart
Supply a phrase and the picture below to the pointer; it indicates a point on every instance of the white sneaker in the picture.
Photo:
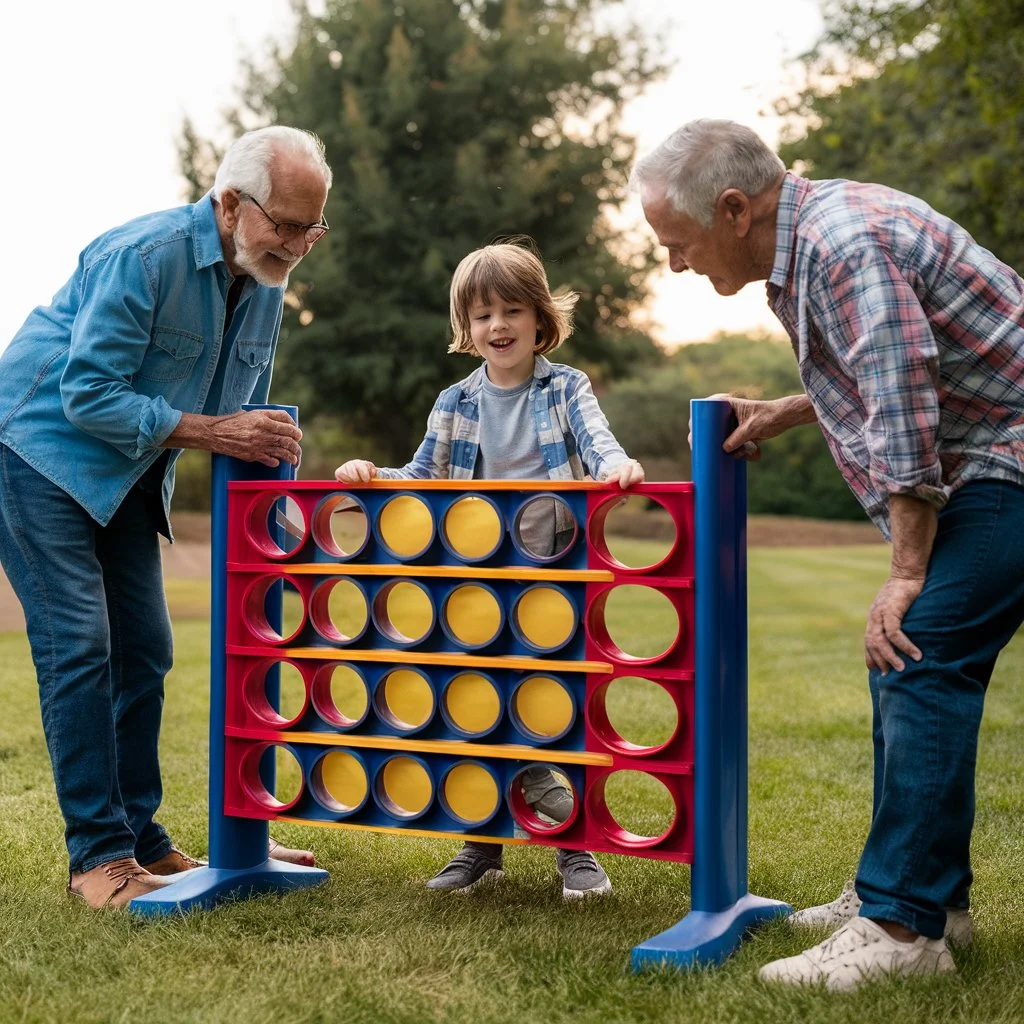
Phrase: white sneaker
(860, 951)
(959, 926)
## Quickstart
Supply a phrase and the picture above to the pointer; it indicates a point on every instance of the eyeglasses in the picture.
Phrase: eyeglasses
(288, 231)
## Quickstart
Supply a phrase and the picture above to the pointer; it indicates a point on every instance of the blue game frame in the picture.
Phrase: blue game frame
(722, 909)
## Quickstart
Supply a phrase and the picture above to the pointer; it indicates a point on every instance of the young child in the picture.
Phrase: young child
(517, 417)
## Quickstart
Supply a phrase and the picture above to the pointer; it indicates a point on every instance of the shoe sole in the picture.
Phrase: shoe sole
(581, 894)
(490, 877)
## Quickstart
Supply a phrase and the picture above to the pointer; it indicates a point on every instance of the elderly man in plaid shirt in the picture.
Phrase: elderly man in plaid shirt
(910, 342)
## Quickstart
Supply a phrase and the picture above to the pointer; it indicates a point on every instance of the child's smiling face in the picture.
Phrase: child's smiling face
(505, 334)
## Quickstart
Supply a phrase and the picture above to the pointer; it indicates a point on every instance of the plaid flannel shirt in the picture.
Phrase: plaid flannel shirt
(909, 337)
(571, 429)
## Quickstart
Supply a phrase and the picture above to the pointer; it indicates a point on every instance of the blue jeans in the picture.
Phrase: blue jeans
(101, 642)
(926, 718)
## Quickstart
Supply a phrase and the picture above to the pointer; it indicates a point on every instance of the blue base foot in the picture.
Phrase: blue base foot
(204, 888)
(704, 938)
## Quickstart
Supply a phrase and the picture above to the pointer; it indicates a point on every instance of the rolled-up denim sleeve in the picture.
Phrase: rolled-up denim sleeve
(109, 340)
(873, 321)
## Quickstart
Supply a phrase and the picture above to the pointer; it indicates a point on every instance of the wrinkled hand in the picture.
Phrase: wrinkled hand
(756, 421)
(884, 636)
(269, 436)
(355, 471)
(629, 473)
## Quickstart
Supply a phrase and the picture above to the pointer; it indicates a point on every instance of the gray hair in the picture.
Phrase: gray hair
(246, 164)
(699, 161)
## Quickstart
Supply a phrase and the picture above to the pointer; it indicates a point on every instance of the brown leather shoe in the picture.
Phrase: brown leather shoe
(114, 884)
(172, 863)
(304, 858)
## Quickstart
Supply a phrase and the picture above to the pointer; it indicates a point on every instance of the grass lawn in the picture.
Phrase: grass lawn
(373, 945)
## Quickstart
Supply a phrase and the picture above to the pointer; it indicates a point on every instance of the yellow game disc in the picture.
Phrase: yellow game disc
(344, 780)
(409, 611)
(545, 617)
(544, 706)
(348, 693)
(471, 792)
(407, 787)
(406, 525)
(407, 699)
(473, 615)
(472, 702)
(472, 527)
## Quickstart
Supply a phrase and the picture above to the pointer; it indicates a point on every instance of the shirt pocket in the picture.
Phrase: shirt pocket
(171, 355)
(255, 354)
(251, 359)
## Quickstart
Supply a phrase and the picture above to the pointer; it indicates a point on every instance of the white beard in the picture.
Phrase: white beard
(248, 261)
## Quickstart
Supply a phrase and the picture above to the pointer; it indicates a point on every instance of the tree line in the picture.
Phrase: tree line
(453, 123)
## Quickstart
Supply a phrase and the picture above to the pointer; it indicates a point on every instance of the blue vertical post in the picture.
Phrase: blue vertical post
(240, 863)
(722, 910)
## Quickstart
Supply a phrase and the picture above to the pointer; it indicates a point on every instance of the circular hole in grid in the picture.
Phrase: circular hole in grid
(275, 693)
(404, 699)
(633, 532)
(637, 622)
(542, 708)
(531, 795)
(642, 810)
(403, 787)
(471, 704)
(406, 525)
(404, 612)
(273, 600)
(634, 715)
(544, 528)
(341, 526)
(340, 695)
(470, 793)
(472, 614)
(472, 528)
(338, 610)
(545, 617)
(276, 525)
(339, 782)
(272, 776)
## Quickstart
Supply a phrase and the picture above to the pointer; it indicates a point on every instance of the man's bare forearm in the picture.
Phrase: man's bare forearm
(913, 523)
(794, 411)
(193, 431)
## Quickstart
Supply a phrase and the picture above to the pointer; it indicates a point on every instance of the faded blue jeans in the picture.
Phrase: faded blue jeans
(926, 718)
(101, 642)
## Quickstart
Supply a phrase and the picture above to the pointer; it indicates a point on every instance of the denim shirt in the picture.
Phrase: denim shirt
(97, 380)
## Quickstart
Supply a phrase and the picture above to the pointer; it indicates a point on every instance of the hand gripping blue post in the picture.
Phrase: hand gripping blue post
(240, 863)
(722, 910)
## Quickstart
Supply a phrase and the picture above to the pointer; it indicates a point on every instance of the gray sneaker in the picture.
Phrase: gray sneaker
(469, 868)
(546, 795)
(959, 926)
(581, 874)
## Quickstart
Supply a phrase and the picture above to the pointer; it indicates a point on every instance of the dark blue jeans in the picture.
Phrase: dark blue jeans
(101, 642)
(926, 718)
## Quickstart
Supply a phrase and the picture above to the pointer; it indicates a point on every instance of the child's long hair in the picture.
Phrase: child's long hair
(513, 273)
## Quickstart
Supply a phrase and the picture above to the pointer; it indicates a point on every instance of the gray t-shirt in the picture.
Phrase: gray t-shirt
(510, 450)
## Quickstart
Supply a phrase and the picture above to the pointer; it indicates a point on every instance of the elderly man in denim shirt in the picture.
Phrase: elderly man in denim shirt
(910, 342)
(168, 325)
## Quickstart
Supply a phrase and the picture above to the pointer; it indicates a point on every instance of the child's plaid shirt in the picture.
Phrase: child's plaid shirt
(571, 429)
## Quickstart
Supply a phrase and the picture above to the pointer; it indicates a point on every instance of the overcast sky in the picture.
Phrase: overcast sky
(95, 93)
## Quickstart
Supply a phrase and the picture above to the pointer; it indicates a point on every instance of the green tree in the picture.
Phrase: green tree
(449, 123)
(926, 96)
(650, 416)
